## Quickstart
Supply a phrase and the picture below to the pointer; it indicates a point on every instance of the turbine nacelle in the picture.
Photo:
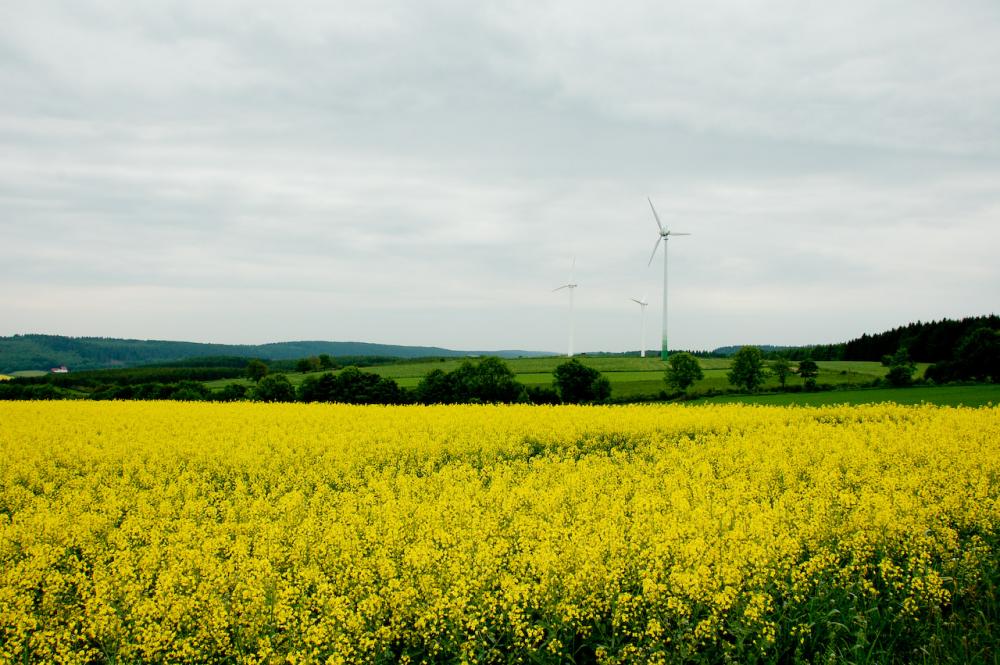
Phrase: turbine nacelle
(664, 232)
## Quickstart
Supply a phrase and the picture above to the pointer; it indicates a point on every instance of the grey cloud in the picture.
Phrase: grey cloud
(423, 173)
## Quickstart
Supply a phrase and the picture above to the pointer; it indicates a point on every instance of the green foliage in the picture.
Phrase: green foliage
(326, 362)
(310, 364)
(234, 392)
(900, 376)
(351, 386)
(682, 371)
(257, 370)
(11, 390)
(978, 355)
(966, 395)
(488, 381)
(191, 391)
(578, 383)
(781, 368)
(901, 368)
(747, 370)
(274, 388)
(235, 362)
(542, 395)
(808, 369)
(133, 376)
(436, 388)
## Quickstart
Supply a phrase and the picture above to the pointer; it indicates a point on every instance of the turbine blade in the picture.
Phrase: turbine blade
(679, 234)
(655, 216)
(637, 302)
(655, 247)
(564, 286)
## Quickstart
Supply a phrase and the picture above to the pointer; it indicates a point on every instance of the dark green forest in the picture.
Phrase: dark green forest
(42, 352)
(926, 342)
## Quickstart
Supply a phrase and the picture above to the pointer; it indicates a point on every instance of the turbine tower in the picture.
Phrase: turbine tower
(665, 235)
(572, 287)
(642, 325)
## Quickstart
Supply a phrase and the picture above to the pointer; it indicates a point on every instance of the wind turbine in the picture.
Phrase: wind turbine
(665, 235)
(572, 287)
(642, 325)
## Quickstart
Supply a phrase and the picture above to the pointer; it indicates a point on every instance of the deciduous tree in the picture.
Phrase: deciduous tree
(747, 369)
(256, 370)
(781, 368)
(682, 371)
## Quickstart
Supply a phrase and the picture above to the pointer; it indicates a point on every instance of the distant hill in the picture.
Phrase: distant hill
(41, 352)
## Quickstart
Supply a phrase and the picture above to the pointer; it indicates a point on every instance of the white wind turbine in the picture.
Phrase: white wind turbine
(642, 325)
(571, 286)
(664, 237)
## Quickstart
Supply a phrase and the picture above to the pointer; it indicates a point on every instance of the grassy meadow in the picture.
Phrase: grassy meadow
(971, 395)
(632, 377)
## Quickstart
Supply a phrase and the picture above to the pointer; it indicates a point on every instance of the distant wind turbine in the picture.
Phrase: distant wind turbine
(642, 325)
(664, 237)
(572, 287)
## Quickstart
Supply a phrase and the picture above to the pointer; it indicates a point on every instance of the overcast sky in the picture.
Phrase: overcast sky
(424, 172)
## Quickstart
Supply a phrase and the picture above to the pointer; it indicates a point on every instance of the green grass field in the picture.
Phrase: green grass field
(630, 377)
(977, 395)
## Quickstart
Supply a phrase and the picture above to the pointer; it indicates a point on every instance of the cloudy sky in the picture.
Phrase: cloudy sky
(424, 172)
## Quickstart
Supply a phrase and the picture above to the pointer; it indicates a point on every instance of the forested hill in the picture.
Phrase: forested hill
(41, 352)
(931, 341)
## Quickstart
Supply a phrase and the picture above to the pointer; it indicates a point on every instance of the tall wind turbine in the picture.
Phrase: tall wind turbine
(642, 325)
(665, 235)
(571, 286)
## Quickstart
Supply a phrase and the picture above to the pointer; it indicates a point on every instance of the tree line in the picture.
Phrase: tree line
(489, 380)
(927, 342)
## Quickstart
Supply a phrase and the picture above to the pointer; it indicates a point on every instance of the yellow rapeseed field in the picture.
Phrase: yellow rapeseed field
(170, 532)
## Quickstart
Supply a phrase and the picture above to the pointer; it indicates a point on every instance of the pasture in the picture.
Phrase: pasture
(972, 395)
(630, 377)
(28, 373)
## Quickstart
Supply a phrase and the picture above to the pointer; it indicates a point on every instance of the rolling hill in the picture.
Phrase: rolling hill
(41, 352)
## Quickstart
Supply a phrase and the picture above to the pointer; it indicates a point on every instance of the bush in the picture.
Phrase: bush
(900, 376)
(543, 395)
(901, 368)
(190, 391)
(274, 388)
(234, 392)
